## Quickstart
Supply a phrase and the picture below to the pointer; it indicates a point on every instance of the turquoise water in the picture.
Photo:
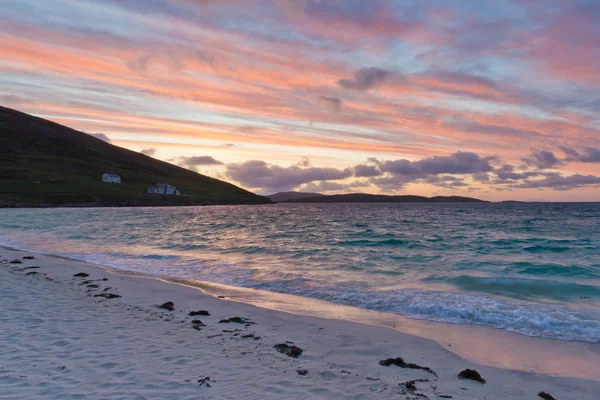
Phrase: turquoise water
(527, 268)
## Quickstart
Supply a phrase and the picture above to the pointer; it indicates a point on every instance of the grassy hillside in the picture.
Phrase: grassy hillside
(46, 164)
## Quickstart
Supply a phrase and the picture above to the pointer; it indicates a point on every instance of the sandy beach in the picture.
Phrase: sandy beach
(70, 337)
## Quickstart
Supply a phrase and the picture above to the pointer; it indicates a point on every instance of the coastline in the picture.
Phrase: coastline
(130, 346)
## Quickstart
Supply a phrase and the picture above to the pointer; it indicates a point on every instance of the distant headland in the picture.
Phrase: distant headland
(298, 197)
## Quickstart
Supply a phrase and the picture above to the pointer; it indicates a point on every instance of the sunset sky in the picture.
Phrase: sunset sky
(491, 99)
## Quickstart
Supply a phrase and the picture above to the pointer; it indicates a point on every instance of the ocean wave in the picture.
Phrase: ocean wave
(527, 268)
(521, 317)
(521, 288)
(372, 243)
(547, 248)
(158, 257)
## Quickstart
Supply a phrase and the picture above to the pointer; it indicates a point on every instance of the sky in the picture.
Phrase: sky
(498, 100)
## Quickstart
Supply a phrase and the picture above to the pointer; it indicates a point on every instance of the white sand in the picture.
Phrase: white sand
(57, 341)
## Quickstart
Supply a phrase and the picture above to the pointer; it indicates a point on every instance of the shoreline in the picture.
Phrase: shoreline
(478, 344)
(341, 357)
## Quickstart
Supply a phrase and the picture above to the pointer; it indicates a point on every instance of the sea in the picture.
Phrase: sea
(530, 268)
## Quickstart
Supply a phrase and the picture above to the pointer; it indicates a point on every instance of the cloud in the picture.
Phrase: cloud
(457, 163)
(140, 64)
(294, 7)
(449, 172)
(149, 152)
(205, 58)
(387, 175)
(304, 162)
(332, 103)
(494, 130)
(557, 181)
(101, 136)
(196, 161)
(258, 174)
(12, 100)
(587, 155)
(366, 171)
(481, 177)
(329, 186)
(391, 182)
(541, 159)
(175, 58)
(365, 79)
(445, 181)
(438, 171)
(324, 186)
(507, 174)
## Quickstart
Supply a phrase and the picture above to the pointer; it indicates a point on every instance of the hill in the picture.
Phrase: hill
(379, 198)
(291, 196)
(46, 164)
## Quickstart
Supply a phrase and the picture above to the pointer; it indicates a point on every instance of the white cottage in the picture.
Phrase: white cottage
(111, 178)
(163, 188)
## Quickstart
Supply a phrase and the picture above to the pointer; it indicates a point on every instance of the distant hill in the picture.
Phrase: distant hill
(379, 198)
(290, 196)
(46, 164)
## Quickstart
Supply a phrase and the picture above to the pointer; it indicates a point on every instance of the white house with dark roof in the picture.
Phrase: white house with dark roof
(111, 178)
(163, 188)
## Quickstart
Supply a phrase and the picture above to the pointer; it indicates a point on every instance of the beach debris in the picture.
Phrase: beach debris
(200, 312)
(205, 381)
(32, 273)
(302, 372)
(372, 379)
(290, 351)
(221, 297)
(87, 282)
(93, 286)
(16, 262)
(198, 322)
(32, 267)
(237, 320)
(232, 330)
(81, 275)
(546, 396)
(472, 375)
(251, 336)
(411, 388)
(49, 279)
(198, 327)
(169, 306)
(445, 396)
(399, 362)
(107, 295)
(214, 336)
(28, 258)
